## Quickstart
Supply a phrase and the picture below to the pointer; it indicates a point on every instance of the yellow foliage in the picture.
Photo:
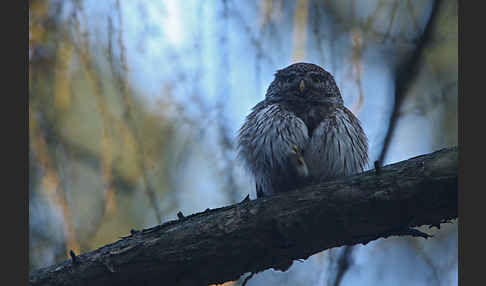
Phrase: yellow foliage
(37, 12)
(300, 30)
(54, 192)
(62, 92)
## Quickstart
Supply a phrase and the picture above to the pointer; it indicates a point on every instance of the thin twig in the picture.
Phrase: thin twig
(343, 263)
(247, 279)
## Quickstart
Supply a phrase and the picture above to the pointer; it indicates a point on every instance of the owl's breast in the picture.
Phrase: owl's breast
(312, 115)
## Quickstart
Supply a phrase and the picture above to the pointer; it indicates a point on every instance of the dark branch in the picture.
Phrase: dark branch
(343, 263)
(222, 244)
(405, 74)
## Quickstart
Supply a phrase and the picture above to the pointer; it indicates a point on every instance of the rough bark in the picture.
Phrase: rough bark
(221, 244)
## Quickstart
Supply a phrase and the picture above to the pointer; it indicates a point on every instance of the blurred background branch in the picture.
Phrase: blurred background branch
(406, 72)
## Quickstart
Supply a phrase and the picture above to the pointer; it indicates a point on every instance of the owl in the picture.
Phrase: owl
(301, 133)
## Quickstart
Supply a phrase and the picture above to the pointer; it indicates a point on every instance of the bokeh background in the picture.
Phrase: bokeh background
(134, 107)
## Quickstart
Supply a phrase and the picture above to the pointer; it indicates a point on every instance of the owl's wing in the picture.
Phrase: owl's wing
(338, 147)
(270, 143)
(298, 163)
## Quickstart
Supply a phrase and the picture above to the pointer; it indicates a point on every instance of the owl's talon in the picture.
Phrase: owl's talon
(297, 155)
(299, 161)
(295, 149)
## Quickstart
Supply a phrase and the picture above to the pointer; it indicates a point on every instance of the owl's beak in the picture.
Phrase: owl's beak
(302, 86)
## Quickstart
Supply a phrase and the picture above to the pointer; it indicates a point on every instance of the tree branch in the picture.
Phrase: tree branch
(405, 75)
(222, 244)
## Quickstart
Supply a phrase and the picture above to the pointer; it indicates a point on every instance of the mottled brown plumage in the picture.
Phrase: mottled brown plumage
(301, 132)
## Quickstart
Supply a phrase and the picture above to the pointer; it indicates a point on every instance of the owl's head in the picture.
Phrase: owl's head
(304, 82)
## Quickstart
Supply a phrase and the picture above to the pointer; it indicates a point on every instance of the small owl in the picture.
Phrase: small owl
(301, 133)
